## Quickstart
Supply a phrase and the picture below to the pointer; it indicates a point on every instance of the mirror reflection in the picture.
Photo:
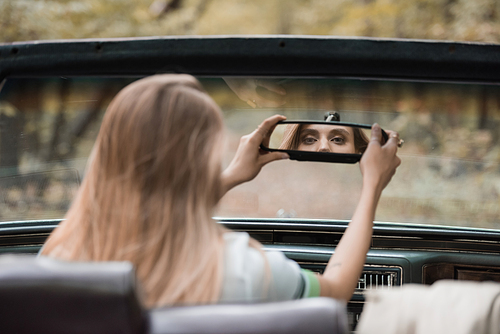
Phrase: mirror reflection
(328, 138)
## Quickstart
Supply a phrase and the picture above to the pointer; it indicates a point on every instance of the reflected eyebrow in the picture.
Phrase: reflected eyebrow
(340, 131)
(312, 132)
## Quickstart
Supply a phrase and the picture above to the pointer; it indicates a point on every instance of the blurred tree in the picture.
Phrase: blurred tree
(460, 20)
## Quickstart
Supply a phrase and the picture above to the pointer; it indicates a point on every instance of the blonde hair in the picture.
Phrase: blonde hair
(150, 190)
(291, 137)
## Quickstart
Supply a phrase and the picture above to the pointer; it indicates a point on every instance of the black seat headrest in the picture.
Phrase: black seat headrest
(43, 295)
(312, 315)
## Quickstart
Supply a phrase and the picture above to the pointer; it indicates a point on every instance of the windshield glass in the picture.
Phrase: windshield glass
(450, 171)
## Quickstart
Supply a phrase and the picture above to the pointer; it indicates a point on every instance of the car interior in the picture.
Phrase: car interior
(72, 297)
(438, 219)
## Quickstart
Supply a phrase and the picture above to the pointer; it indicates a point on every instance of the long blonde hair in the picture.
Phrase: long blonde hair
(148, 197)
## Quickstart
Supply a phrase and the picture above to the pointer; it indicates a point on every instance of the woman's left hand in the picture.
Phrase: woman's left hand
(250, 158)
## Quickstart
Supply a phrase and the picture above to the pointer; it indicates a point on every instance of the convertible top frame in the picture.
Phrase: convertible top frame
(274, 55)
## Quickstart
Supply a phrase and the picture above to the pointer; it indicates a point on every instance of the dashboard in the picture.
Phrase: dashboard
(400, 254)
(416, 254)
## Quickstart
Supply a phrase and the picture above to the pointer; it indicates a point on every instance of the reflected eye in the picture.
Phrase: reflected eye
(338, 140)
(308, 140)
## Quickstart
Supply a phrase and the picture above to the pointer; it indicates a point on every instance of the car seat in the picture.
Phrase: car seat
(44, 295)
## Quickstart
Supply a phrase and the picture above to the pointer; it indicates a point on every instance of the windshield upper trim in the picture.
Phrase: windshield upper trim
(290, 56)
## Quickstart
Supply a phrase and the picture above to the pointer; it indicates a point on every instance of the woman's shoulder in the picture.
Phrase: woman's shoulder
(240, 259)
(237, 247)
(252, 274)
(233, 238)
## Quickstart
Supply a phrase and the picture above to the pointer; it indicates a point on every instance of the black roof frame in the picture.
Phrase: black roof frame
(287, 55)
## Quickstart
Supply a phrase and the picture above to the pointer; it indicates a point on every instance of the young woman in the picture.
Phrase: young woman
(324, 138)
(153, 181)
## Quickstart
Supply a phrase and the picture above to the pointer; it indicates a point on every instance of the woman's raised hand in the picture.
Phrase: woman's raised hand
(378, 165)
(249, 158)
(379, 162)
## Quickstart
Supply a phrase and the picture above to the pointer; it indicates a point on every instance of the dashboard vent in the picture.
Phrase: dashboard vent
(373, 276)
(376, 280)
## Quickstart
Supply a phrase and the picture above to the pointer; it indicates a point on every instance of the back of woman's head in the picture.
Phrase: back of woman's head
(150, 189)
(162, 134)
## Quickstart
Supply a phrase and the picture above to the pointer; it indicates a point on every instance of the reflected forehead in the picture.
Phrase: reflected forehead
(326, 128)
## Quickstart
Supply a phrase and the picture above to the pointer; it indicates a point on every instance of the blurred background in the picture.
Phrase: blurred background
(459, 20)
(450, 174)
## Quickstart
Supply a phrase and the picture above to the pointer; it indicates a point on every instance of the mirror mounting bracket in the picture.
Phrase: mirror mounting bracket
(332, 116)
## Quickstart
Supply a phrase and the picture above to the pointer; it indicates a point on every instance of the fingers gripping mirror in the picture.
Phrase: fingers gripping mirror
(320, 141)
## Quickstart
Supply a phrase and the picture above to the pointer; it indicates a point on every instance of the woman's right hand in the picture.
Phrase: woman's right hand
(379, 162)
(250, 158)
(378, 165)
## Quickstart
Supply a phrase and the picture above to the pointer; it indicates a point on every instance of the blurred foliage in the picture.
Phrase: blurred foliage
(460, 20)
(450, 171)
(451, 159)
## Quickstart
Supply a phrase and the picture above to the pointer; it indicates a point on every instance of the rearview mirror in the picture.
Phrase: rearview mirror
(320, 140)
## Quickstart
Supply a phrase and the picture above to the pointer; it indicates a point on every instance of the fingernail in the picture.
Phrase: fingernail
(285, 156)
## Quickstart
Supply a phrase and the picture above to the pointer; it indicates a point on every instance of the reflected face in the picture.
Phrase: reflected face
(327, 138)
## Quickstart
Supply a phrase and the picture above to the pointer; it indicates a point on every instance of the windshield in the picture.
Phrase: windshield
(450, 171)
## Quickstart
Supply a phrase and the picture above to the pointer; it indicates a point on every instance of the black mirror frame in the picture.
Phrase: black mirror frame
(346, 158)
